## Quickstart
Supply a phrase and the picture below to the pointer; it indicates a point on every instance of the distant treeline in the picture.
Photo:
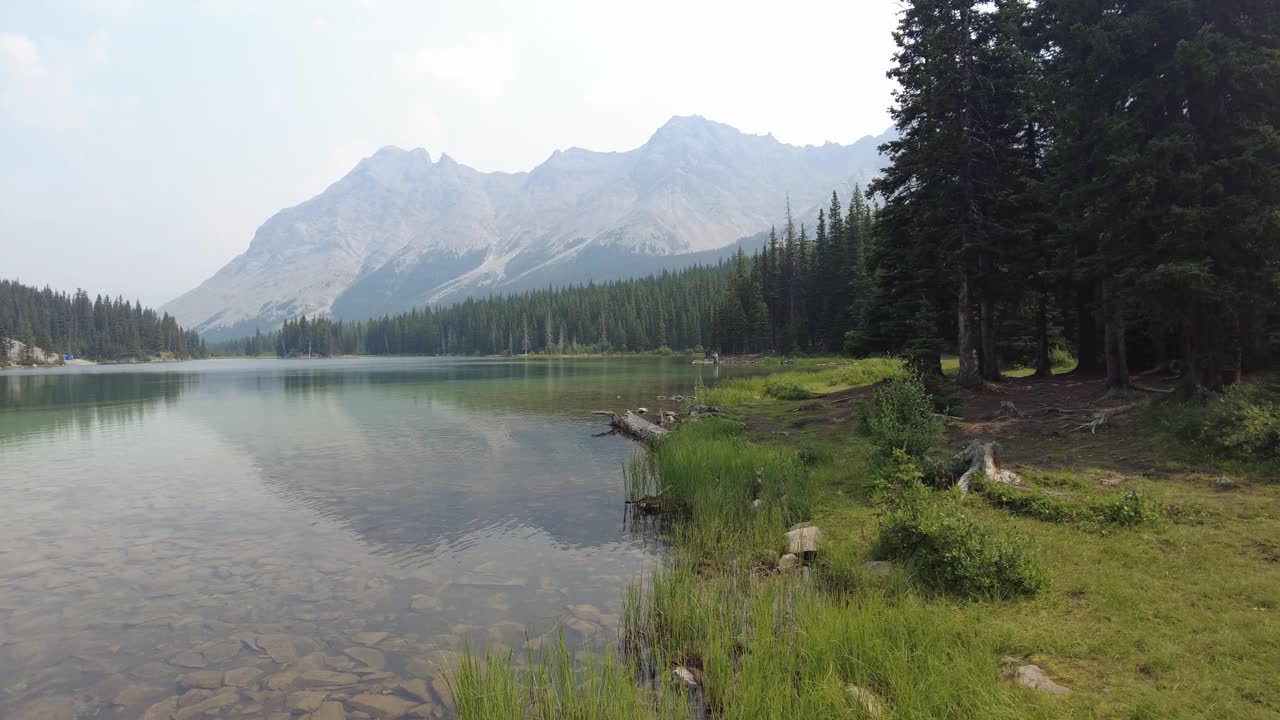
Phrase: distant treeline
(98, 329)
(672, 310)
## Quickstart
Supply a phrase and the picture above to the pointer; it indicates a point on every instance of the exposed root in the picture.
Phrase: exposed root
(1100, 421)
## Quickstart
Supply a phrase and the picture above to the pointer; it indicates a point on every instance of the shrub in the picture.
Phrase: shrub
(901, 418)
(1130, 509)
(813, 456)
(785, 391)
(1061, 359)
(1242, 422)
(952, 550)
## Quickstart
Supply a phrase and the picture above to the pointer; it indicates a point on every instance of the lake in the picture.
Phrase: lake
(343, 524)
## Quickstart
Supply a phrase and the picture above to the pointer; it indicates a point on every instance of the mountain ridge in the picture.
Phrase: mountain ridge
(402, 230)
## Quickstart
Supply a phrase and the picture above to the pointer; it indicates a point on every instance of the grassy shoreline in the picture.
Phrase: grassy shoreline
(1159, 597)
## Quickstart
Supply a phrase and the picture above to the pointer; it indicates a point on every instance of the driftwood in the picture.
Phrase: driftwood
(984, 459)
(633, 425)
(1100, 421)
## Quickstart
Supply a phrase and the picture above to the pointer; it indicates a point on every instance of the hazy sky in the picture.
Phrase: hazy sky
(143, 141)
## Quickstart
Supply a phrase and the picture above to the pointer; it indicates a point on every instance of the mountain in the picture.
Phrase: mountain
(401, 230)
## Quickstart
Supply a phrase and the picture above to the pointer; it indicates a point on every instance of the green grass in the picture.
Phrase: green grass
(814, 375)
(1163, 570)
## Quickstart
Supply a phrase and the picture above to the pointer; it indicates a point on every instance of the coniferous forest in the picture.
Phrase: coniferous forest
(97, 329)
(1099, 178)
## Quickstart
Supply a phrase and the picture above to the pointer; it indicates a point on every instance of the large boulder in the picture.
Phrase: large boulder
(803, 540)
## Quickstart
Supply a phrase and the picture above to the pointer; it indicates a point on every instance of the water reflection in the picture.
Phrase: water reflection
(165, 520)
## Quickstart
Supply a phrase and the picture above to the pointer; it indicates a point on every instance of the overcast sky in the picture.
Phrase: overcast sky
(143, 141)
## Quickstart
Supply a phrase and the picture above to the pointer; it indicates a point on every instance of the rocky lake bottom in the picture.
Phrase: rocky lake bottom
(270, 539)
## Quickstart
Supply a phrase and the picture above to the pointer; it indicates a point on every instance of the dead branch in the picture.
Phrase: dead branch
(633, 425)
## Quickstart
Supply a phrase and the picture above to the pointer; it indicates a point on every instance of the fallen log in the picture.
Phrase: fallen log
(984, 459)
(633, 425)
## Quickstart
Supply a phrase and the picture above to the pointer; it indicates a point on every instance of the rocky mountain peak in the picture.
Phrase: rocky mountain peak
(400, 230)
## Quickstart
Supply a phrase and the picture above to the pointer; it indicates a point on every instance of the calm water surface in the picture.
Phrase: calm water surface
(270, 516)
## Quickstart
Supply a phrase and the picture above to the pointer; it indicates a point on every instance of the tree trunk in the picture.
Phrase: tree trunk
(1116, 356)
(990, 359)
(1086, 331)
(1044, 365)
(969, 374)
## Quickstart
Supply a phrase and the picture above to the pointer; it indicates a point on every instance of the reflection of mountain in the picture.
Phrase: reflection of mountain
(417, 456)
(41, 402)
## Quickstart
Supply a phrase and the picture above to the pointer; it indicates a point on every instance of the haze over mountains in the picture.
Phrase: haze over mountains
(403, 230)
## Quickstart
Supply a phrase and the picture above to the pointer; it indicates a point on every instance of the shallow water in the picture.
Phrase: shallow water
(163, 519)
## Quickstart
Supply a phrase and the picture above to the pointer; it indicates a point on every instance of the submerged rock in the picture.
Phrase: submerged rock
(329, 711)
(279, 647)
(50, 708)
(325, 678)
(242, 677)
(135, 695)
(386, 707)
(373, 658)
(416, 688)
(204, 679)
(189, 660)
(369, 638)
(162, 710)
(305, 701)
(210, 706)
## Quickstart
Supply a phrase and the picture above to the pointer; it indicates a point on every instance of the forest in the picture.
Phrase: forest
(98, 329)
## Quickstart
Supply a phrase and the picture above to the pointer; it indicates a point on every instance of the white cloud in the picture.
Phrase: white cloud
(482, 66)
(20, 58)
(30, 90)
(323, 25)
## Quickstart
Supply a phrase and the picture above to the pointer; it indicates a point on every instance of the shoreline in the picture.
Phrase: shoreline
(856, 627)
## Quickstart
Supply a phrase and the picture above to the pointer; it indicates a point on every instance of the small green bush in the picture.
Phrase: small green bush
(1061, 359)
(901, 418)
(952, 550)
(813, 456)
(785, 391)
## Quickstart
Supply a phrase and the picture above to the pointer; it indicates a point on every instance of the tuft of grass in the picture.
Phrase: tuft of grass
(710, 470)
(557, 683)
